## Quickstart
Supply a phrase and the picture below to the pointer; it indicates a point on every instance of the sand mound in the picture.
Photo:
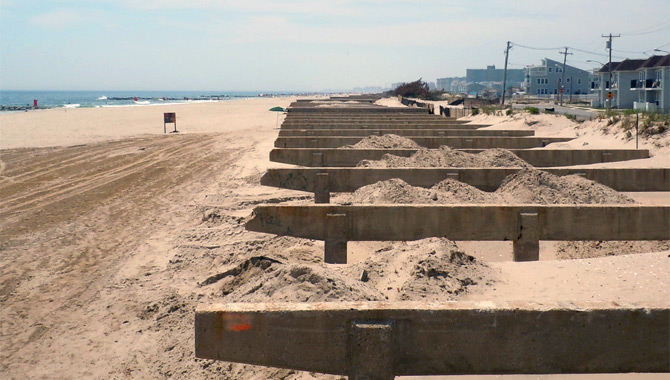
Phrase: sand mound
(447, 157)
(389, 141)
(450, 191)
(430, 269)
(394, 191)
(302, 283)
(536, 186)
(397, 191)
(441, 272)
(525, 186)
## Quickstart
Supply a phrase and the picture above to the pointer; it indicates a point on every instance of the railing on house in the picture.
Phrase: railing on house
(637, 84)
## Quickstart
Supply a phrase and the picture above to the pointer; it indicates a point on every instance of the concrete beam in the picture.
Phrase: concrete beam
(381, 116)
(536, 157)
(487, 179)
(301, 108)
(359, 339)
(407, 121)
(380, 125)
(466, 222)
(431, 142)
(388, 119)
(404, 132)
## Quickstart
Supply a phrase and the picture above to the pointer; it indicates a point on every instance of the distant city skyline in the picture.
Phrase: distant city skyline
(298, 45)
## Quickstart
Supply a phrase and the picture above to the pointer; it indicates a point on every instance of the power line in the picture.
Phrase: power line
(649, 32)
(563, 47)
(536, 48)
(649, 29)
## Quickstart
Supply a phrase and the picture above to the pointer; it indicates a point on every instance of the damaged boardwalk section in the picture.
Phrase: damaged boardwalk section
(341, 145)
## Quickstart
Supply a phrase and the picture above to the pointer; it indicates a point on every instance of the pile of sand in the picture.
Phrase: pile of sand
(526, 186)
(295, 282)
(431, 269)
(397, 191)
(536, 186)
(447, 157)
(389, 141)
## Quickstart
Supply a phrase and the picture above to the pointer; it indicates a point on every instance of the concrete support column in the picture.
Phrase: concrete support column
(607, 157)
(526, 245)
(336, 239)
(317, 159)
(371, 351)
(322, 188)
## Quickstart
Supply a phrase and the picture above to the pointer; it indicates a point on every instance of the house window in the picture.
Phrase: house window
(567, 80)
(579, 80)
(539, 81)
(550, 69)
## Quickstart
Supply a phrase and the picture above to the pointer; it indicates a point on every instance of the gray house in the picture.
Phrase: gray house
(545, 79)
(637, 83)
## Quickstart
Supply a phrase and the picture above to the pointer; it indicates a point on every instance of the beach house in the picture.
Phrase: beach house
(637, 83)
(545, 79)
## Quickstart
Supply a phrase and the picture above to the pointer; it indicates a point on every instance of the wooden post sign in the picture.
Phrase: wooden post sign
(169, 117)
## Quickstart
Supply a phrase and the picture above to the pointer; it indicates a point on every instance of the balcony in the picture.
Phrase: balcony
(648, 84)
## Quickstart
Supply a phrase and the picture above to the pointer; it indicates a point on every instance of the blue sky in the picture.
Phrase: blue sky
(298, 45)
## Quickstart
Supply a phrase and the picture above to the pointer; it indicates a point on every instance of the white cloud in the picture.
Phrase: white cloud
(57, 20)
(329, 7)
(429, 33)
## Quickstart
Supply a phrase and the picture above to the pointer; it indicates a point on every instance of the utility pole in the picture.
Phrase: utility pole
(502, 100)
(565, 57)
(608, 45)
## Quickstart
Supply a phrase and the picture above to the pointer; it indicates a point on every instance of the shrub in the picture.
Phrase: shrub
(435, 95)
(532, 110)
(571, 117)
(475, 111)
(416, 89)
(509, 112)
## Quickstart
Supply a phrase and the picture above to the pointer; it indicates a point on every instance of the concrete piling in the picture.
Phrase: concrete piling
(322, 188)
(335, 244)
(371, 351)
(526, 245)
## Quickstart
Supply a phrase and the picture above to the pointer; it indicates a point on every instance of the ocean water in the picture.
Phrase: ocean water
(75, 99)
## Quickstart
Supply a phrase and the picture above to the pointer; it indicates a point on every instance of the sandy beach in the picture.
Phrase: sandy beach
(110, 233)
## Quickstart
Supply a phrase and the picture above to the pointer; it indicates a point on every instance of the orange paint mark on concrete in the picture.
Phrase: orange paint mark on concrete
(240, 327)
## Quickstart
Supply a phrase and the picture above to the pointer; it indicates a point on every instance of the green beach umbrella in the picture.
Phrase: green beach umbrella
(277, 109)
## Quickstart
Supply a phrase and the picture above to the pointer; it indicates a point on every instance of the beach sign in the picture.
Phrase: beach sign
(169, 117)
